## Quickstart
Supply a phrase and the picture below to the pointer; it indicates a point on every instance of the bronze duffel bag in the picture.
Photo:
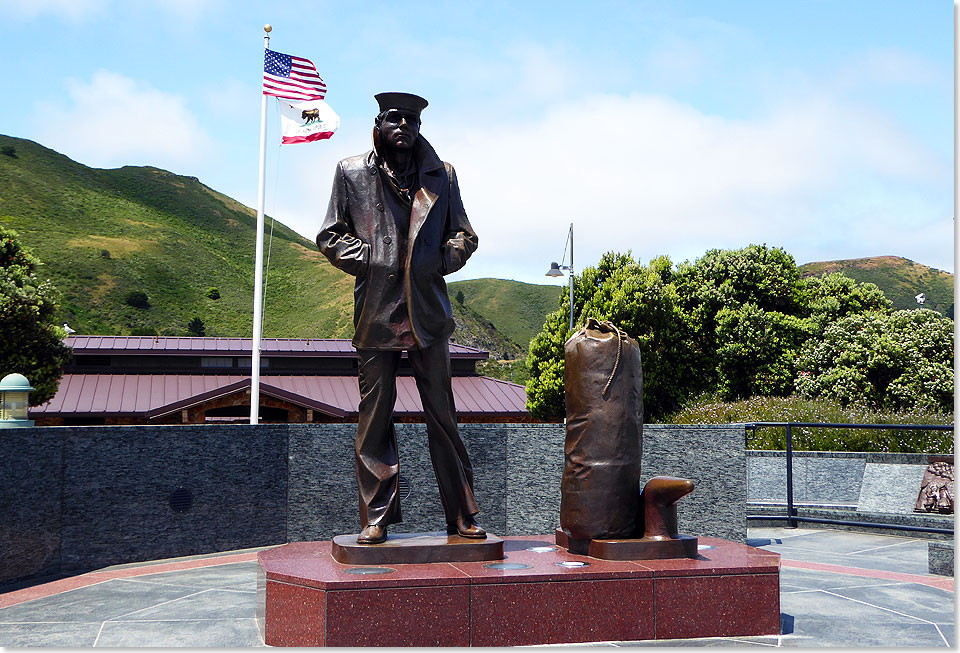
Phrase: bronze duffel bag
(603, 382)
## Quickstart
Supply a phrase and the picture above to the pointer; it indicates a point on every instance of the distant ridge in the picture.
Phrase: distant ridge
(900, 279)
(104, 234)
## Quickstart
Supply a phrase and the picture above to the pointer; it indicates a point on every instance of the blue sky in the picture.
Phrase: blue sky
(825, 128)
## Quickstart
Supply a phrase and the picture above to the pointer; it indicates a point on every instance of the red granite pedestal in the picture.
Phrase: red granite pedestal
(545, 595)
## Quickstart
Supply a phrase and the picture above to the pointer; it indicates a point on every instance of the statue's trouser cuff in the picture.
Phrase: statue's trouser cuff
(376, 445)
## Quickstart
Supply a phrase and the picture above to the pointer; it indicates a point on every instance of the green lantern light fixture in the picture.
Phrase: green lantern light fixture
(14, 400)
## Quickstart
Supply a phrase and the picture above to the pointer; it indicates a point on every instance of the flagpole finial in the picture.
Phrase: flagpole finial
(268, 28)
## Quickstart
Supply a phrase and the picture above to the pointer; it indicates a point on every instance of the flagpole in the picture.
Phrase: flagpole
(258, 271)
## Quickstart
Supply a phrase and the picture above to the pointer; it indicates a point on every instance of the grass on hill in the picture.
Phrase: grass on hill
(104, 234)
(900, 279)
(795, 409)
(515, 309)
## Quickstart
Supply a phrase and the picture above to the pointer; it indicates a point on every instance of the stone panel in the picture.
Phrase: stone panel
(323, 487)
(29, 503)
(534, 470)
(713, 457)
(940, 558)
(117, 484)
(322, 499)
(831, 479)
(890, 488)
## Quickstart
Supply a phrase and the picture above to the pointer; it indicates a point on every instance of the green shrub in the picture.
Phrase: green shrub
(897, 361)
(196, 327)
(137, 299)
(213, 292)
(706, 410)
(9, 150)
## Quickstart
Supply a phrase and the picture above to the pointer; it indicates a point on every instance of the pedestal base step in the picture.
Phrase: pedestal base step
(416, 548)
(540, 594)
(684, 546)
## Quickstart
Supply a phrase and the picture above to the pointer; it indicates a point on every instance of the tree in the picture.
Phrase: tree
(763, 277)
(31, 342)
(459, 297)
(196, 327)
(9, 150)
(834, 296)
(756, 351)
(642, 301)
(900, 361)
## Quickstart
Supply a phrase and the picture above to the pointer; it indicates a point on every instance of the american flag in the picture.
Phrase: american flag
(293, 78)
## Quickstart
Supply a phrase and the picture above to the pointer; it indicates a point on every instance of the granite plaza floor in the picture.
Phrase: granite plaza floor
(838, 589)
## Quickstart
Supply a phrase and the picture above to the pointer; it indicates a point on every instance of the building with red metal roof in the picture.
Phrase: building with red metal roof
(196, 380)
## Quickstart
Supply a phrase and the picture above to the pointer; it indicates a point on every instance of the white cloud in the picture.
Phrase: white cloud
(114, 120)
(653, 175)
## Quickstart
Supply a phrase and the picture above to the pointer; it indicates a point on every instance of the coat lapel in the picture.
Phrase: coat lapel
(432, 178)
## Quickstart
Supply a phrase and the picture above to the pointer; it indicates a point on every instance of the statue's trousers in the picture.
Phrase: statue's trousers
(376, 445)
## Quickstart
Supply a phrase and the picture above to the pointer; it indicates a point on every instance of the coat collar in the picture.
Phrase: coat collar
(433, 177)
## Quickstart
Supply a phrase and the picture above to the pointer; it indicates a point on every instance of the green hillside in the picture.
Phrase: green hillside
(515, 309)
(900, 279)
(104, 234)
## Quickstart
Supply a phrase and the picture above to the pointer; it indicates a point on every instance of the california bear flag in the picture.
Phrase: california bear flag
(303, 122)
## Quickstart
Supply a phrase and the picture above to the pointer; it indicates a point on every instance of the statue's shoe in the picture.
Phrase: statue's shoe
(372, 534)
(466, 527)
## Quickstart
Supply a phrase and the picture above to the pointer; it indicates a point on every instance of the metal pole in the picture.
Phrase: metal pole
(258, 270)
(571, 276)
(791, 522)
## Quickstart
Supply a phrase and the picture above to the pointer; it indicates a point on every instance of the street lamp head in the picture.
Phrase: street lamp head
(14, 399)
(554, 270)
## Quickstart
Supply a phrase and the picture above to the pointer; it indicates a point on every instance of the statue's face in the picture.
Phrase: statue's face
(399, 129)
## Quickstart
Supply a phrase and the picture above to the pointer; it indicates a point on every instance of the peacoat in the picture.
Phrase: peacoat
(360, 237)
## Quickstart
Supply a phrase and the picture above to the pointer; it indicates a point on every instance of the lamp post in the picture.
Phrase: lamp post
(555, 270)
(14, 400)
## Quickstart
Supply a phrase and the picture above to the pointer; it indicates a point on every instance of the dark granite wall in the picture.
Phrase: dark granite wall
(117, 483)
(713, 457)
(77, 498)
(30, 486)
(323, 488)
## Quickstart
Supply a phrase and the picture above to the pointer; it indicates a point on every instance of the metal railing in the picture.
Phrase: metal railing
(792, 517)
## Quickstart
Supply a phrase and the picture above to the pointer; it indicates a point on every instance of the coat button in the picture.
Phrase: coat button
(373, 171)
(380, 206)
(387, 239)
(392, 278)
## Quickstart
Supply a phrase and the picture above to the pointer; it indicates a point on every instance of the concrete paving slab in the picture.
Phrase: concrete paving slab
(807, 579)
(94, 603)
(949, 632)
(233, 575)
(705, 642)
(919, 601)
(913, 562)
(838, 541)
(208, 604)
(231, 633)
(73, 635)
(830, 632)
